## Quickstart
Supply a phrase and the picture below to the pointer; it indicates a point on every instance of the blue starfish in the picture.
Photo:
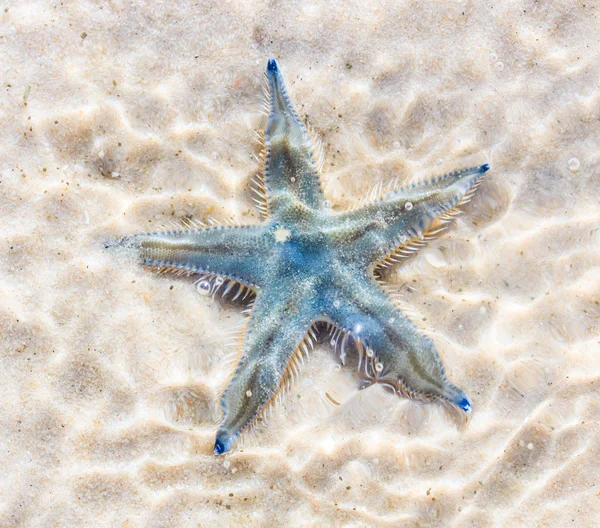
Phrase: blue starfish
(309, 264)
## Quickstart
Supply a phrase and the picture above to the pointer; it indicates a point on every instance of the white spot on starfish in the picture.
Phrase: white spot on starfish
(282, 234)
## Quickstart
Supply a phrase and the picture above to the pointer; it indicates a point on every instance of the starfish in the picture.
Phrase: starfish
(308, 264)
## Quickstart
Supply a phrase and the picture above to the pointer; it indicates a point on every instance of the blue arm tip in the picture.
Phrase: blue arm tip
(223, 442)
(272, 65)
(465, 405)
(220, 447)
(484, 168)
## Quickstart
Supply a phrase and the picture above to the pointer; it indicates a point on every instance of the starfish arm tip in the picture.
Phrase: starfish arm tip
(464, 404)
(223, 443)
(272, 66)
(127, 242)
(484, 168)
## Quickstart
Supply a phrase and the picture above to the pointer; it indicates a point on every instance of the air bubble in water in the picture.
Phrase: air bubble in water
(574, 164)
(203, 287)
(499, 66)
(408, 206)
(292, 179)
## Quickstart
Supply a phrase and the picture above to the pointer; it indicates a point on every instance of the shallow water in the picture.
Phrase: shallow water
(116, 119)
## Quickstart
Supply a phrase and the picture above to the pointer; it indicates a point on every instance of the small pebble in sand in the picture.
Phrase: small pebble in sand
(114, 174)
(530, 446)
(226, 464)
(435, 258)
(574, 164)
(396, 144)
(248, 393)
(101, 154)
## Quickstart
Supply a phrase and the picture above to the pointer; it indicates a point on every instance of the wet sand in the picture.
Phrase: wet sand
(116, 119)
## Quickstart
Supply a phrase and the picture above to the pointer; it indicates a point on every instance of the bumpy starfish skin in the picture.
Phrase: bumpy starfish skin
(308, 264)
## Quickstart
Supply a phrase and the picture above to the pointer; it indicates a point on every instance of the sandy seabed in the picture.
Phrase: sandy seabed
(117, 116)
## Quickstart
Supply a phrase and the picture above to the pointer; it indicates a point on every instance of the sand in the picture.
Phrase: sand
(117, 117)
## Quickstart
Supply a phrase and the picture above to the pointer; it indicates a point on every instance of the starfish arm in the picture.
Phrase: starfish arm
(401, 221)
(393, 351)
(290, 170)
(278, 335)
(237, 253)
